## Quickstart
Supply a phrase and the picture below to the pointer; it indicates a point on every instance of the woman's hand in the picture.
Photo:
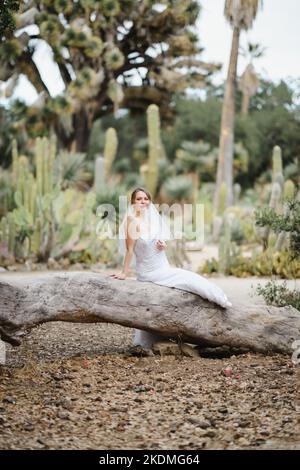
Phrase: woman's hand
(161, 245)
(120, 275)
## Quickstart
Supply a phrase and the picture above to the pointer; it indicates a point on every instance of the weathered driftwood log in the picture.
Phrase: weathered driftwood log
(91, 297)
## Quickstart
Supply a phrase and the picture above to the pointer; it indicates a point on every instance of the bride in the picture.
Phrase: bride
(142, 236)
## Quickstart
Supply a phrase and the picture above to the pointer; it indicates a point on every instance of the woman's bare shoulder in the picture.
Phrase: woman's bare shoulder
(131, 218)
(132, 223)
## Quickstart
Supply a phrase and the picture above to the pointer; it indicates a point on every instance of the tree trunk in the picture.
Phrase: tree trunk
(226, 145)
(173, 313)
(81, 131)
(245, 104)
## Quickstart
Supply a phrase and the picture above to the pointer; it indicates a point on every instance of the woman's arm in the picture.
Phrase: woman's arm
(130, 242)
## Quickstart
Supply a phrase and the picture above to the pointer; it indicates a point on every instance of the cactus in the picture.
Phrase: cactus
(225, 246)
(110, 150)
(282, 236)
(45, 152)
(99, 176)
(222, 198)
(236, 192)
(22, 181)
(216, 227)
(4, 230)
(47, 221)
(8, 232)
(289, 190)
(277, 175)
(28, 228)
(274, 201)
(15, 160)
(277, 160)
(115, 93)
(36, 238)
(11, 232)
(155, 148)
(275, 196)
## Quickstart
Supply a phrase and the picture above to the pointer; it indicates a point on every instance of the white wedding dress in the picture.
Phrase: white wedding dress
(152, 265)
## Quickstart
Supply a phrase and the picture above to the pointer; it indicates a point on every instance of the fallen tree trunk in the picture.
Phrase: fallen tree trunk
(173, 313)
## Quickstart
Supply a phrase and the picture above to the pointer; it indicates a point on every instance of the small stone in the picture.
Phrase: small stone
(223, 410)
(67, 404)
(243, 442)
(28, 427)
(2, 420)
(244, 424)
(63, 415)
(210, 434)
(142, 388)
(189, 351)
(9, 400)
(198, 422)
(166, 348)
(122, 409)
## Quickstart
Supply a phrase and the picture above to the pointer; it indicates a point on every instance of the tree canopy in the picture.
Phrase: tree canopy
(7, 7)
(109, 53)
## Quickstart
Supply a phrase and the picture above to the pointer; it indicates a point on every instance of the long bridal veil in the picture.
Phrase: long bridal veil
(159, 228)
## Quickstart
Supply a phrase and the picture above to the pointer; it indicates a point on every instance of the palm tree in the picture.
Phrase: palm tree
(249, 81)
(240, 14)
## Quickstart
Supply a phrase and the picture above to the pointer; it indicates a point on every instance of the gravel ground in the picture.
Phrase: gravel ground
(76, 386)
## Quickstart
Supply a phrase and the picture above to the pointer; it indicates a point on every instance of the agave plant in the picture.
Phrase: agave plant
(70, 171)
(122, 166)
(111, 197)
(178, 188)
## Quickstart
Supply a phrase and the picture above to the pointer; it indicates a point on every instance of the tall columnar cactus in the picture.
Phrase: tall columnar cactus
(8, 232)
(222, 197)
(216, 227)
(155, 148)
(277, 160)
(289, 190)
(236, 192)
(277, 175)
(154, 131)
(23, 181)
(99, 174)
(110, 150)
(34, 198)
(4, 230)
(225, 246)
(36, 238)
(274, 201)
(15, 162)
(217, 220)
(11, 232)
(45, 153)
